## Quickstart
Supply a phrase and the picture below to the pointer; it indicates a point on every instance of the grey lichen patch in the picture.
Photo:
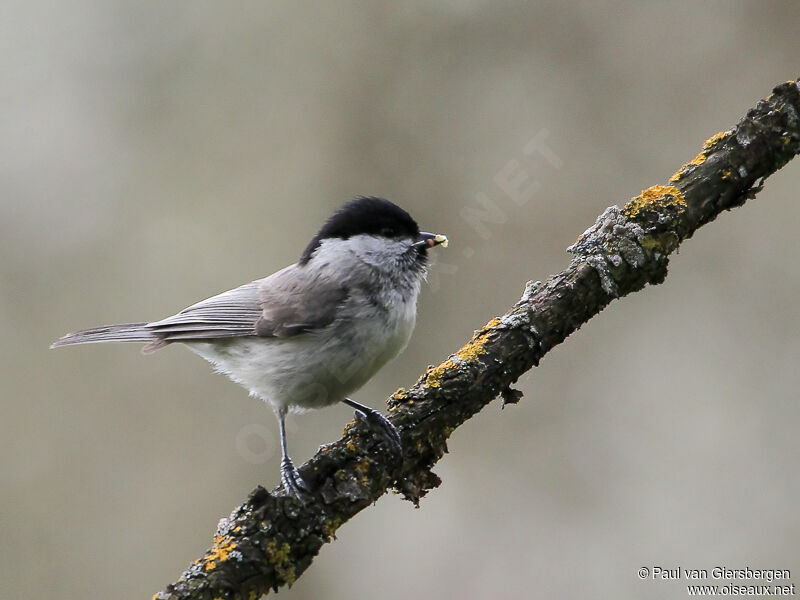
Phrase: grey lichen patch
(531, 289)
(599, 264)
(518, 319)
(612, 242)
(521, 317)
(745, 136)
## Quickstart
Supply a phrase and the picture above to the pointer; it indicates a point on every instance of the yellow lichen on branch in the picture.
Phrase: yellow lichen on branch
(433, 378)
(653, 198)
(468, 353)
(701, 157)
(330, 526)
(278, 558)
(220, 551)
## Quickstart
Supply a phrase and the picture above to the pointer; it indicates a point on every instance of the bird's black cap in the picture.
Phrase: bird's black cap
(364, 215)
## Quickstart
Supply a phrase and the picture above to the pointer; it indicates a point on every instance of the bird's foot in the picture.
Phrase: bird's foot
(293, 483)
(382, 426)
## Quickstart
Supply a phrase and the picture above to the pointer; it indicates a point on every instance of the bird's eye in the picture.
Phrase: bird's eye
(388, 232)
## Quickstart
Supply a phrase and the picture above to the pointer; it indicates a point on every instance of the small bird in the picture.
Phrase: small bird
(314, 332)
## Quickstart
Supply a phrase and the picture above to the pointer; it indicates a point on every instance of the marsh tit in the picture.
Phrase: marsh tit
(308, 335)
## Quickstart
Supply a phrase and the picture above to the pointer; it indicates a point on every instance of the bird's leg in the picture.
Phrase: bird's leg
(290, 478)
(379, 424)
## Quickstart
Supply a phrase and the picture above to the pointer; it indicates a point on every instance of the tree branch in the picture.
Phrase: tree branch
(270, 540)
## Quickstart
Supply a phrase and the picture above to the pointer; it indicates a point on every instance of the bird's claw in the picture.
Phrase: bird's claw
(383, 427)
(293, 483)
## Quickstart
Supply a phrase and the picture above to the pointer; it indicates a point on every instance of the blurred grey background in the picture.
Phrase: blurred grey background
(156, 153)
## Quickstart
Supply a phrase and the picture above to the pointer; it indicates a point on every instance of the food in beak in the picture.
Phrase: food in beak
(439, 239)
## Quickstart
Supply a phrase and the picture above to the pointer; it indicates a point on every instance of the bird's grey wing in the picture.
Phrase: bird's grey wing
(287, 303)
(297, 301)
(230, 314)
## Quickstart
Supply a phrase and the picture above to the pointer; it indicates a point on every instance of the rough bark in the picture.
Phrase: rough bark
(270, 540)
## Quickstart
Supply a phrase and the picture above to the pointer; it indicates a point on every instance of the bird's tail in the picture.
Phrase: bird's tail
(126, 332)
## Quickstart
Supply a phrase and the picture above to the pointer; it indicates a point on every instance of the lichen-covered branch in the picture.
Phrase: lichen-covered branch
(271, 539)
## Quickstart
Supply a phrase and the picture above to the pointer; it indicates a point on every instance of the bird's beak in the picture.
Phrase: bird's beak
(430, 240)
